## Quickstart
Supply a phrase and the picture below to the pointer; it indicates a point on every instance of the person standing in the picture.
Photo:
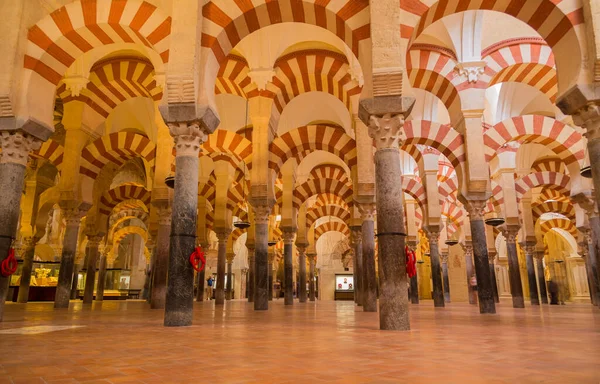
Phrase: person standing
(210, 282)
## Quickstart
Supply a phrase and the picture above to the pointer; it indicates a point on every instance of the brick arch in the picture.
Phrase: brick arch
(317, 212)
(497, 198)
(560, 223)
(415, 189)
(233, 79)
(549, 164)
(230, 143)
(300, 142)
(313, 187)
(331, 226)
(554, 180)
(331, 199)
(560, 138)
(440, 86)
(129, 191)
(119, 235)
(207, 190)
(454, 212)
(51, 151)
(330, 171)
(541, 77)
(562, 207)
(441, 137)
(448, 188)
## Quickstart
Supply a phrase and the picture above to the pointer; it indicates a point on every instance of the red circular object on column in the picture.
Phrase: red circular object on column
(197, 260)
(9, 265)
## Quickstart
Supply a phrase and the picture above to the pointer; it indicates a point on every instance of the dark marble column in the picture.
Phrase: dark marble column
(414, 281)
(16, 146)
(311, 275)
(585, 254)
(251, 273)
(514, 274)
(444, 259)
(533, 291)
(29, 253)
(369, 282)
(72, 214)
(539, 260)
(229, 285)
(90, 275)
(288, 265)
(302, 272)
(433, 235)
(593, 240)
(223, 236)
(271, 256)
(147, 293)
(356, 242)
(179, 301)
(262, 211)
(492, 257)
(161, 254)
(101, 275)
(468, 248)
(485, 292)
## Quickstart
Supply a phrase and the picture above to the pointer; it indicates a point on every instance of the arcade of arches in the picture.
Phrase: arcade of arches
(301, 143)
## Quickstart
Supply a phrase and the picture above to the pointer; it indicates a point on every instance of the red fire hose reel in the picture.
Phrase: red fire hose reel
(198, 260)
(9, 265)
(411, 262)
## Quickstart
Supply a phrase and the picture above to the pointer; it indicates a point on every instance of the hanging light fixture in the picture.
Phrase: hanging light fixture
(495, 221)
(170, 181)
(450, 240)
(272, 242)
(586, 170)
(243, 224)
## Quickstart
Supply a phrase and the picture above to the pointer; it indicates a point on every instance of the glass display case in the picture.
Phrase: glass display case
(344, 287)
(116, 283)
(44, 278)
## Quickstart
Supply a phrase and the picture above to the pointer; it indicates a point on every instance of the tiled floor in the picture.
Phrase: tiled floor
(326, 342)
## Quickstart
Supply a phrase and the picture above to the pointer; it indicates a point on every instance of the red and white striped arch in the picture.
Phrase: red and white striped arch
(300, 142)
(317, 212)
(51, 151)
(559, 223)
(330, 171)
(230, 143)
(554, 180)
(129, 191)
(331, 199)
(415, 189)
(560, 138)
(317, 186)
(549, 165)
(549, 194)
(233, 78)
(331, 226)
(454, 212)
(448, 188)
(227, 22)
(562, 207)
(497, 198)
(438, 136)
(207, 190)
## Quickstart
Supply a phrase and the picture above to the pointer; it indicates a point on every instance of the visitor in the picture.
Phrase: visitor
(210, 283)
(553, 290)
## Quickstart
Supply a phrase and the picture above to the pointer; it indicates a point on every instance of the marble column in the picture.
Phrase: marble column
(585, 254)
(271, 258)
(514, 273)
(90, 274)
(533, 291)
(288, 265)
(101, 275)
(302, 272)
(261, 255)
(539, 260)
(223, 236)
(179, 301)
(29, 245)
(433, 235)
(356, 242)
(369, 282)
(491, 258)
(202, 276)
(229, 286)
(311, 275)
(16, 146)
(147, 292)
(485, 292)
(593, 240)
(444, 259)
(251, 273)
(72, 214)
(468, 248)
(414, 281)
(161, 254)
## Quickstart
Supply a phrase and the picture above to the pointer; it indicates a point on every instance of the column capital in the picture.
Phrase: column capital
(229, 257)
(16, 146)
(223, 234)
(491, 257)
(188, 137)
(433, 233)
(510, 233)
(356, 235)
(387, 131)
(528, 247)
(311, 256)
(301, 247)
(94, 240)
(467, 246)
(261, 213)
(539, 254)
(163, 211)
(73, 211)
(288, 235)
(367, 211)
(412, 244)
(588, 117)
(475, 208)
(444, 257)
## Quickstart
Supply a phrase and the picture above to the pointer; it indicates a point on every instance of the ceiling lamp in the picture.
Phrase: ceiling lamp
(272, 242)
(450, 240)
(495, 221)
(170, 181)
(586, 170)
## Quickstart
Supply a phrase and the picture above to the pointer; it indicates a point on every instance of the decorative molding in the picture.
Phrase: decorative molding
(188, 138)
(16, 146)
(367, 211)
(261, 77)
(5, 106)
(180, 89)
(261, 214)
(471, 70)
(511, 42)
(387, 130)
(387, 82)
(76, 84)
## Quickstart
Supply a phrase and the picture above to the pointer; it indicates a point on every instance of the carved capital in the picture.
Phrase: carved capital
(510, 233)
(261, 214)
(164, 212)
(528, 248)
(433, 234)
(301, 249)
(16, 146)
(367, 211)
(229, 257)
(75, 84)
(588, 117)
(94, 241)
(468, 248)
(72, 216)
(471, 71)
(475, 209)
(223, 234)
(444, 257)
(261, 77)
(387, 130)
(188, 137)
(356, 236)
(288, 235)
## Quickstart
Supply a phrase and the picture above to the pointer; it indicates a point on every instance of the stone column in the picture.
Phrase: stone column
(585, 254)
(369, 282)
(302, 272)
(385, 119)
(202, 276)
(261, 256)
(223, 236)
(161, 254)
(539, 260)
(444, 259)
(271, 257)
(593, 240)
(485, 292)
(311, 275)
(492, 257)
(90, 274)
(433, 235)
(179, 302)
(356, 240)
(29, 245)
(251, 274)
(229, 286)
(529, 249)
(288, 265)
(101, 275)
(16, 146)
(468, 248)
(514, 274)
(414, 281)
(72, 215)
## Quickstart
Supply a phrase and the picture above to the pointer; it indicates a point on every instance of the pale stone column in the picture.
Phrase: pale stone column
(261, 256)
(585, 254)
(591, 238)
(179, 303)
(223, 236)
(90, 274)
(491, 258)
(16, 146)
(444, 259)
(72, 214)
(369, 282)
(288, 265)
(485, 292)
(539, 260)
(101, 275)
(514, 273)
(161, 254)
(29, 245)
(271, 258)
(356, 240)
(311, 275)
(529, 249)
(468, 248)
(251, 273)
(414, 281)
(229, 286)
(433, 235)
(302, 272)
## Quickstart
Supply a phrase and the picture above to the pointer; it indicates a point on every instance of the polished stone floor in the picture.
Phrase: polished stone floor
(323, 342)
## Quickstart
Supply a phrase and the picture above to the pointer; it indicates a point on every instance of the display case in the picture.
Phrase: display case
(116, 283)
(44, 279)
(344, 287)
